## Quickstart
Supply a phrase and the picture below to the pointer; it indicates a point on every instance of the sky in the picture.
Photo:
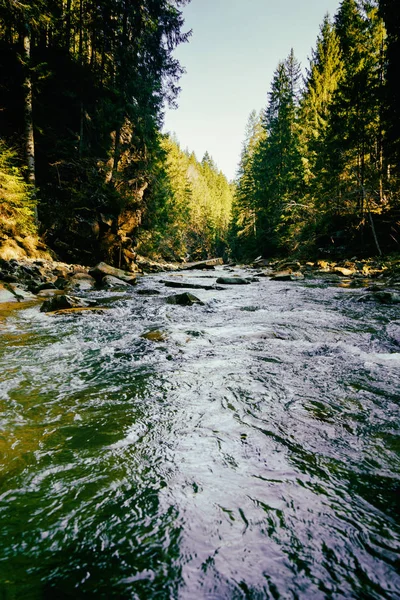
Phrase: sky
(230, 60)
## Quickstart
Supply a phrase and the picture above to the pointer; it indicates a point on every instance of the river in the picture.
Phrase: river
(250, 451)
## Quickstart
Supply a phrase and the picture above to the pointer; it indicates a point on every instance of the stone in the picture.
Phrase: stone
(282, 276)
(393, 330)
(233, 281)
(261, 262)
(185, 299)
(297, 276)
(61, 283)
(102, 269)
(387, 297)
(154, 335)
(289, 266)
(148, 292)
(343, 271)
(192, 286)
(81, 281)
(47, 285)
(113, 283)
(382, 297)
(287, 276)
(62, 302)
(9, 278)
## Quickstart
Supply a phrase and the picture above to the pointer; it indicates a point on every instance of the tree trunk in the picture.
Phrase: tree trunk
(82, 108)
(28, 109)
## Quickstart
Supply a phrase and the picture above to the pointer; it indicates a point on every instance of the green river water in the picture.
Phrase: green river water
(251, 452)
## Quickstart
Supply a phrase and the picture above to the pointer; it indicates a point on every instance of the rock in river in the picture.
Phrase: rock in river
(184, 299)
(82, 282)
(114, 283)
(63, 302)
(233, 281)
(102, 269)
(287, 276)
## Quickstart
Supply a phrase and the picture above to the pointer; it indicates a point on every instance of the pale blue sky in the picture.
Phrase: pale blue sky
(230, 59)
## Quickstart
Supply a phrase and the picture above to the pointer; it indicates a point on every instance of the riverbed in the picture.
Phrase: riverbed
(250, 449)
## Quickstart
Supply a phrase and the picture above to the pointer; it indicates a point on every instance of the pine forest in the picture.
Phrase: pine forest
(86, 171)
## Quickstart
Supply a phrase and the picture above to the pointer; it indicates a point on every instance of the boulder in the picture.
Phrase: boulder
(184, 299)
(47, 285)
(393, 330)
(61, 283)
(387, 297)
(287, 276)
(233, 281)
(190, 286)
(81, 281)
(154, 335)
(102, 269)
(383, 297)
(62, 302)
(343, 271)
(113, 283)
(282, 276)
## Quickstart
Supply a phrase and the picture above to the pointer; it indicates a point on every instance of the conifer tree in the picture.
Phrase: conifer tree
(244, 215)
(278, 165)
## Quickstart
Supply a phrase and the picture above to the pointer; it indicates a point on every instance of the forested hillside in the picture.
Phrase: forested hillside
(83, 85)
(191, 207)
(319, 170)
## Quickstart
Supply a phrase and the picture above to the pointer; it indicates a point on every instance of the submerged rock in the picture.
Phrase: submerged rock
(62, 302)
(190, 286)
(383, 297)
(233, 281)
(148, 292)
(184, 299)
(154, 335)
(387, 297)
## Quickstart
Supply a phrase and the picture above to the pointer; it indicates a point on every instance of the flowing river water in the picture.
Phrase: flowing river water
(251, 451)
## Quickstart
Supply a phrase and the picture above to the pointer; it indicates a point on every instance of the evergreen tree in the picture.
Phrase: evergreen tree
(278, 165)
(391, 15)
(17, 203)
(96, 77)
(244, 213)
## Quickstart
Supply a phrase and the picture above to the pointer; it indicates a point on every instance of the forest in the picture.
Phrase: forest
(86, 171)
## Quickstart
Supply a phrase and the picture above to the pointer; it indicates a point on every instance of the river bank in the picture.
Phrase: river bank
(35, 280)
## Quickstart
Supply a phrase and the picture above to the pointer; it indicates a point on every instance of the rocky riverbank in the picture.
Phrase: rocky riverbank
(62, 286)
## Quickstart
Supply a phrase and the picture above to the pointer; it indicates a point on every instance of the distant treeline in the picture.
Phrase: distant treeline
(319, 169)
